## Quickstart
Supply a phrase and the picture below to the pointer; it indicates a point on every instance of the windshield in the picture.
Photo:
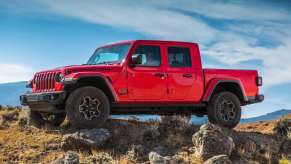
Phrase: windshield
(110, 54)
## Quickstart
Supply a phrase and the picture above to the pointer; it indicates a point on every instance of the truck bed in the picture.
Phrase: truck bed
(247, 78)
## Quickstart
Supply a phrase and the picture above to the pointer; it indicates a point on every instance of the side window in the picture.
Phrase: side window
(179, 57)
(150, 55)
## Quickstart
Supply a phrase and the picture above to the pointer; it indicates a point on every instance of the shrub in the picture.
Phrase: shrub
(9, 107)
(283, 127)
(99, 158)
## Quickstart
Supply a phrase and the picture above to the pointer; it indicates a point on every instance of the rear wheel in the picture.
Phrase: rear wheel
(87, 107)
(224, 109)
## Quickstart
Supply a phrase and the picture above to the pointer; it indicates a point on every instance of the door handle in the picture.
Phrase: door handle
(159, 74)
(187, 75)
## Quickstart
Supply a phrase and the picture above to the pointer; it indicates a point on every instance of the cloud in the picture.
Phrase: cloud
(149, 20)
(246, 31)
(275, 68)
(232, 10)
(14, 72)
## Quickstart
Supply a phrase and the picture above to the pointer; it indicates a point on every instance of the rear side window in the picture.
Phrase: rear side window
(151, 55)
(179, 57)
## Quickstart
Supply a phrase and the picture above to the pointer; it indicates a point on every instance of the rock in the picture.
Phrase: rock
(136, 151)
(256, 146)
(156, 158)
(285, 149)
(150, 135)
(210, 141)
(85, 139)
(219, 159)
(69, 158)
(160, 150)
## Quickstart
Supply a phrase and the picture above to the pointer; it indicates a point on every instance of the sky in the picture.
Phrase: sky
(243, 34)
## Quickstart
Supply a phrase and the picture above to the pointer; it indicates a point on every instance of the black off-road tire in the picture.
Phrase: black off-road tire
(217, 104)
(74, 101)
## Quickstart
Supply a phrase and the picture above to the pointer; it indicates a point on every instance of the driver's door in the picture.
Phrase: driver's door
(147, 80)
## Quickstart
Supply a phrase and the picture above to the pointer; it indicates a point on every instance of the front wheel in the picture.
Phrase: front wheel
(224, 109)
(87, 107)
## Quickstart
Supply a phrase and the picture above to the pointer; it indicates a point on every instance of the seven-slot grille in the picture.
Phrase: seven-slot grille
(45, 82)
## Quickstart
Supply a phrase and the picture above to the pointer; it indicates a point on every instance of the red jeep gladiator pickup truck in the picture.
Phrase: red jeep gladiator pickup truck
(140, 77)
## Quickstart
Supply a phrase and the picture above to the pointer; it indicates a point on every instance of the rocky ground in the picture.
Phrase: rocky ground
(133, 141)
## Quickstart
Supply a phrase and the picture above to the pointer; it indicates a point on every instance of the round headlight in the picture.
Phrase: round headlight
(59, 77)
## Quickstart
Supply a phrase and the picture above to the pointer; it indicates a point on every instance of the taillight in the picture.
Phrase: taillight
(259, 81)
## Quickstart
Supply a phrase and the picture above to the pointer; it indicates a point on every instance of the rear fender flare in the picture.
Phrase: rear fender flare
(215, 82)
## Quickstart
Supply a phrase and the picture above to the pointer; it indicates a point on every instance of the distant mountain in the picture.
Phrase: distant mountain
(267, 117)
(9, 92)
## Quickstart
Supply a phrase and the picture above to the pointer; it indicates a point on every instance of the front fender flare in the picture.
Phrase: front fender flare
(78, 76)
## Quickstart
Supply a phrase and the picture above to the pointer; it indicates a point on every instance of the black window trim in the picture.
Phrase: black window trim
(179, 46)
(160, 48)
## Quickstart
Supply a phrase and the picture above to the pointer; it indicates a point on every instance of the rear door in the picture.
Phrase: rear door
(147, 81)
(180, 73)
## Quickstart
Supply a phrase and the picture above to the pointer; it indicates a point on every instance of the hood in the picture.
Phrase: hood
(83, 68)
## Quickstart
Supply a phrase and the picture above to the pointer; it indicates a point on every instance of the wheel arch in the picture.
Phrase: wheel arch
(232, 85)
(98, 81)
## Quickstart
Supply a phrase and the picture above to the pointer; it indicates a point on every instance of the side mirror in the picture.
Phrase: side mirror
(136, 59)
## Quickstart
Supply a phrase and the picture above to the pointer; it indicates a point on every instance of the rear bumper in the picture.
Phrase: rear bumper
(255, 99)
(52, 98)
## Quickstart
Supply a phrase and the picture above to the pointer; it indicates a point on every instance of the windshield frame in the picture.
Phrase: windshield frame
(129, 43)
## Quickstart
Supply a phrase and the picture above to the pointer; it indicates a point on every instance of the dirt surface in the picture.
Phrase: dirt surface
(260, 127)
(131, 140)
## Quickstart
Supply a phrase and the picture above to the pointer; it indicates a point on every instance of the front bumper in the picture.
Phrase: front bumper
(52, 98)
(255, 99)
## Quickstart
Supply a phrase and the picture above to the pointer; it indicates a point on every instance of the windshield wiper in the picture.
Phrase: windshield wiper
(108, 62)
(88, 64)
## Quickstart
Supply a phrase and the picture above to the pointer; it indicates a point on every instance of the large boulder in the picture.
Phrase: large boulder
(85, 139)
(219, 159)
(210, 141)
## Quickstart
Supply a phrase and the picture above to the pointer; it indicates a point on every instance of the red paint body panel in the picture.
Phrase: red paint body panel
(245, 78)
(141, 86)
